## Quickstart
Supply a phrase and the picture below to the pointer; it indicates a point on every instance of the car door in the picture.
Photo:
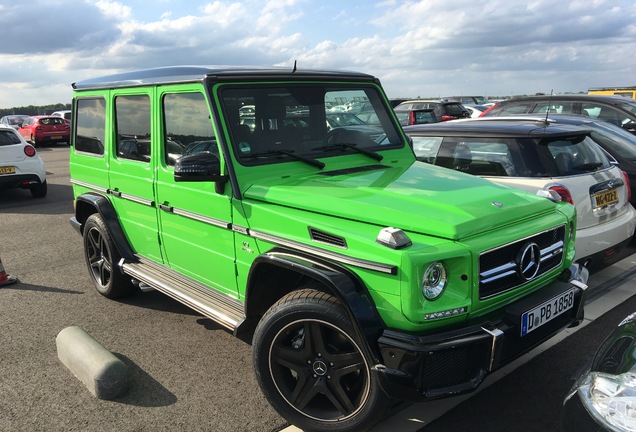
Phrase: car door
(194, 219)
(131, 173)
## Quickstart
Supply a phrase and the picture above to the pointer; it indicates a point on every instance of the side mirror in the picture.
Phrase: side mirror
(200, 167)
(631, 126)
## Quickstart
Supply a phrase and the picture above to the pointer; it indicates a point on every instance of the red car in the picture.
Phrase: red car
(40, 129)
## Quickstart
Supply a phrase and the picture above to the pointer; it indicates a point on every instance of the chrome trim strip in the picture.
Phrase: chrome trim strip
(370, 265)
(198, 217)
(90, 186)
(136, 199)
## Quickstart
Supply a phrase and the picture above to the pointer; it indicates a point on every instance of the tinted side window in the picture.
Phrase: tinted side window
(555, 107)
(132, 119)
(188, 128)
(91, 120)
(606, 113)
(8, 138)
(516, 108)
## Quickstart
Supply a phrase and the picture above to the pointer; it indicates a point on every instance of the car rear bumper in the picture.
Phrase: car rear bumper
(23, 181)
(599, 238)
(421, 367)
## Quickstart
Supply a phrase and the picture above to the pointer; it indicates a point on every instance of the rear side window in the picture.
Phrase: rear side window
(188, 128)
(606, 113)
(479, 156)
(554, 107)
(91, 120)
(515, 108)
(8, 138)
(132, 117)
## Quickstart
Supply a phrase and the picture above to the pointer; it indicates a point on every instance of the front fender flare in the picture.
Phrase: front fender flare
(339, 281)
(90, 203)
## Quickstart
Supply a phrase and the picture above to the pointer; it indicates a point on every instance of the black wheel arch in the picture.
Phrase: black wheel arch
(91, 203)
(281, 270)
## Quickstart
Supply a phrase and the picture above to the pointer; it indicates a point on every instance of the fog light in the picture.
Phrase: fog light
(434, 280)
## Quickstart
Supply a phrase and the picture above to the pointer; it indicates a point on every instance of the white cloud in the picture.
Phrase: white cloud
(416, 47)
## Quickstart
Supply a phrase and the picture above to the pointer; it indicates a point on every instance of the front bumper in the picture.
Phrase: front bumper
(448, 363)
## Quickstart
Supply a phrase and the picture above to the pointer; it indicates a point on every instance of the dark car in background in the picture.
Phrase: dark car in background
(613, 109)
(603, 397)
(443, 110)
(13, 120)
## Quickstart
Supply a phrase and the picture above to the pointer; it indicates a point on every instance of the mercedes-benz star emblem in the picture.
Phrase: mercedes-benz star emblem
(528, 261)
(320, 367)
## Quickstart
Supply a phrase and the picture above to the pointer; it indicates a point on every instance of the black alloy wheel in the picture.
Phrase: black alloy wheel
(312, 368)
(101, 255)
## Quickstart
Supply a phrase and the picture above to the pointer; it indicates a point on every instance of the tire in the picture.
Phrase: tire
(101, 258)
(39, 190)
(310, 365)
(35, 144)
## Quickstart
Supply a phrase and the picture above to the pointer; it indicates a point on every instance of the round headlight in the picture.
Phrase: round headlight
(434, 280)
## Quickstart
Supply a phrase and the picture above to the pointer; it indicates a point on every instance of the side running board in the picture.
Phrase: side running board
(225, 310)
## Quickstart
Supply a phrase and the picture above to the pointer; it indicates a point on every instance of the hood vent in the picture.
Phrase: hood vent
(325, 238)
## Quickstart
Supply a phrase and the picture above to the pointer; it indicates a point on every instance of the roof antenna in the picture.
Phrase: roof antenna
(294, 69)
(547, 110)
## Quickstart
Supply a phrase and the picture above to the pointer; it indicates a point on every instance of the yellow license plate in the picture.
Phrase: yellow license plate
(605, 198)
(56, 137)
(7, 170)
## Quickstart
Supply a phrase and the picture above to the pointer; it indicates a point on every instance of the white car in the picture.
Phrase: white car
(65, 114)
(20, 164)
(538, 156)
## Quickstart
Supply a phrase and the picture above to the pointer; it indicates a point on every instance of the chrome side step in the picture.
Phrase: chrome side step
(225, 310)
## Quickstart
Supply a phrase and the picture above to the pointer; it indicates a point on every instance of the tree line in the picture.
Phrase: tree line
(35, 110)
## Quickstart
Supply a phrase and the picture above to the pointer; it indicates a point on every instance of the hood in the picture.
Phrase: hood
(422, 198)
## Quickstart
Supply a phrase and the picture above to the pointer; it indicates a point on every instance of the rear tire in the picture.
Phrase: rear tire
(39, 190)
(101, 258)
(311, 367)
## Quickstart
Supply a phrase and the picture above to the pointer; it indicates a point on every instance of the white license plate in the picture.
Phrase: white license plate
(545, 312)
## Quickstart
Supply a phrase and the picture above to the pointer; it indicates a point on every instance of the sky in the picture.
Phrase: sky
(426, 48)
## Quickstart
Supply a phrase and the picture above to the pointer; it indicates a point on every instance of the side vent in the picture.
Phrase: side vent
(325, 238)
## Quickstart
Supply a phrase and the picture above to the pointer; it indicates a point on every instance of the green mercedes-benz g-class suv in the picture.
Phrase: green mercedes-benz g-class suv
(362, 275)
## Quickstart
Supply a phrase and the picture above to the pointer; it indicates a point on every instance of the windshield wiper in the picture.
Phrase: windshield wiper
(371, 154)
(591, 166)
(307, 160)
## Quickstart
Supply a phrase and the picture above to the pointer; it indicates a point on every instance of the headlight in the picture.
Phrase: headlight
(434, 280)
(611, 399)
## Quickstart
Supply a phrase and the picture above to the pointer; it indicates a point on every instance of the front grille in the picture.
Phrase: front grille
(507, 267)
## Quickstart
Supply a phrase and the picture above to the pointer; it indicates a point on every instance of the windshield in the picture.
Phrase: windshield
(273, 124)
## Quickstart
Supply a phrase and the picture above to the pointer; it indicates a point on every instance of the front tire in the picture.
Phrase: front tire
(311, 367)
(101, 257)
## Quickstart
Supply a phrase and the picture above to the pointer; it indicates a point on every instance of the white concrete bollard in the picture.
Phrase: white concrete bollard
(105, 375)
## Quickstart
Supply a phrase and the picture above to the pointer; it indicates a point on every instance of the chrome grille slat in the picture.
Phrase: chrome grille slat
(499, 269)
